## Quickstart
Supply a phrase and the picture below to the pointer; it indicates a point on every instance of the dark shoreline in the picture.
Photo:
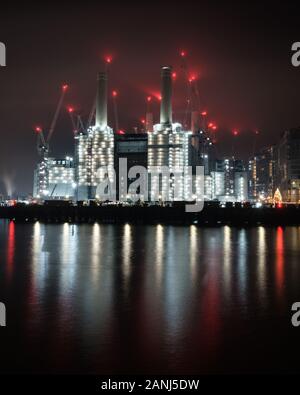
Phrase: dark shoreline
(176, 215)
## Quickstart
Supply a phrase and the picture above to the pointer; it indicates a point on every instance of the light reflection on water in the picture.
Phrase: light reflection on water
(160, 299)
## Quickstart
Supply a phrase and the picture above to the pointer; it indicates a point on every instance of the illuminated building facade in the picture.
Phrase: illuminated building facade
(95, 150)
(168, 148)
(54, 179)
(229, 181)
(288, 166)
(262, 175)
(61, 178)
(41, 179)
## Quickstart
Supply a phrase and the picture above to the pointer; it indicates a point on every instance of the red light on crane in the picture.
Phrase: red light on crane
(108, 59)
(149, 98)
(192, 77)
(182, 54)
(235, 132)
(210, 125)
(120, 131)
(38, 129)
(114, 93)
(204, 113)
(214, 127)
(174, 75)
(143, 121)
(70, 109)
(65, 87)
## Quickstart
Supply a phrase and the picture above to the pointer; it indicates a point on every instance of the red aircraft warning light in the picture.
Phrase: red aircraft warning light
(174, 75)
(235, 132)
(149, 98)
(214, 127)
(210, 125)
(114, 93)
(143, 121)
(182, 54)
(38, 129)
(65, 87)
(70, 109)
(121, 131)
(204, 113)
(108, 59)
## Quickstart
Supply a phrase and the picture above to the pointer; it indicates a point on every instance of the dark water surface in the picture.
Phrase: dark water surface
(148, 299)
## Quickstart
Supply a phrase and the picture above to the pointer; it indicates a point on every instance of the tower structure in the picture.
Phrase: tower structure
(168, 150)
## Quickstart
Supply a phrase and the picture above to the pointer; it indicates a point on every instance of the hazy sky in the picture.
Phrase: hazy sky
(240, 52)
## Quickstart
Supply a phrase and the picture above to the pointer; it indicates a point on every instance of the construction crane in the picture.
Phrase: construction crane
(43, 146)
(76, 121)
(43, 142)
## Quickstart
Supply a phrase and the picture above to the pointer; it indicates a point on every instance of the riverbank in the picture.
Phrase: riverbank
(176, 215)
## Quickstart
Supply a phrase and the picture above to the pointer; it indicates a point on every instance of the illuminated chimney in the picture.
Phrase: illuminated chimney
(149, 122)
(101, 101)
(166, 96)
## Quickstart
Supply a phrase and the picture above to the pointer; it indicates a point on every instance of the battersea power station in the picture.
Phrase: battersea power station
(107, 164)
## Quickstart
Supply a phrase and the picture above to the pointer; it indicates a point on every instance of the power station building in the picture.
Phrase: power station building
(179, 163)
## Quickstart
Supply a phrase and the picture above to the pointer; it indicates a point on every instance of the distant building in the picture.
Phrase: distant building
(288, 166)
(56, 180)
(41, 179)
(61, 178)
(229, 180)
(262, 174)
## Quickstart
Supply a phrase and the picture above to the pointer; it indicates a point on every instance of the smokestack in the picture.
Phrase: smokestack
(149, 122)
(101, 101)
(166, 96)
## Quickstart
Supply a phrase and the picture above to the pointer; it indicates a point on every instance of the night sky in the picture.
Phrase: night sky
(241, 54)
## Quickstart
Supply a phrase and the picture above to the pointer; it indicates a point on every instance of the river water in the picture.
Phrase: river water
(148, 299)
